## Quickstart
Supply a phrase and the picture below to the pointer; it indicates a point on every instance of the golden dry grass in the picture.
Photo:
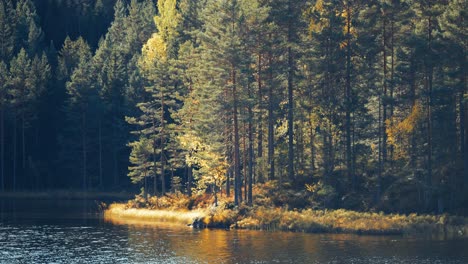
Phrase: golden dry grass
(265, 216)
(121, 212)
(353, 222)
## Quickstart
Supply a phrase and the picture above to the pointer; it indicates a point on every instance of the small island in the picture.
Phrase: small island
(203, 211)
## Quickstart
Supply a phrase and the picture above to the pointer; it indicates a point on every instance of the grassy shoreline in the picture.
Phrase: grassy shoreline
(118, 211)
(307, 220)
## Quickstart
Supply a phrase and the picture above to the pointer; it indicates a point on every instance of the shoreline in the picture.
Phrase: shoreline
(66, 194)
(308, 221)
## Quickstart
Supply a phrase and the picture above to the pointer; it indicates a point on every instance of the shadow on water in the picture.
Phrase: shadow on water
(73, 231)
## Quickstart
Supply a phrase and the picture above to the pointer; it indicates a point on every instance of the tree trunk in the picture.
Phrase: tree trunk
(114, 156)
(413, 104)
(380, 168)
(290, 99)
(260, 117)
(155, 167)
(384, 93)
(23, 143)
(189, 180)
(15, 151)
(228, 134)
(101, 181)
(155, 171)
(312, 148)
(251, 155)
(145, 189)
(162, 138)
(464, 129)
(237, 189)
(429, 78)
(392, 80)
(84, 150)
(271, 132)
(2, 143)
(244, 161)
(348, 98)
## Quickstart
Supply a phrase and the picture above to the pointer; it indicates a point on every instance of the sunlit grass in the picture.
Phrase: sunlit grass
(308, 220)
(345, 221)
(121, 212)
(264, 215)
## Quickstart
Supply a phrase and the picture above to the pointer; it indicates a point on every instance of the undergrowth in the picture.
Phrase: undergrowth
(275, 211)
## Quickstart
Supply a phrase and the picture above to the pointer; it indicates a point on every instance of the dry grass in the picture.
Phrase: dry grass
(323, 221)
(121, 212)
(345, 221)
(264, 215)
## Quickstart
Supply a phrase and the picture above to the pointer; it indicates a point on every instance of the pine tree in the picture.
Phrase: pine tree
(453, 24)
(28, 32)
(115, 60)
(140, 158)
(21, 93)
(81, 110)
(7, 38)
(3, 105)
(156, 66)
(70, 55)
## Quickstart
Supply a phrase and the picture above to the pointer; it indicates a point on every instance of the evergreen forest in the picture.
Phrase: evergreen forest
(349, 104)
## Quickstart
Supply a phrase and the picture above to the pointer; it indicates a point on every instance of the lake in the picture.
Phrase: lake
(73, 231)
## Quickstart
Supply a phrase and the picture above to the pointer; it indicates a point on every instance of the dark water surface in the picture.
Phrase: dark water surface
(44, 231)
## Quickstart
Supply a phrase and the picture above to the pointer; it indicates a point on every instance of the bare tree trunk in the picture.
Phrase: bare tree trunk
(271, 132)
(327, 140)
(114, 157)
(413, 104)
(251, 155)
(23, 142)
(244, 159)
(260, 116)
(349, 158)
(380, 169)
(155, 167)
(237, 189)
(2, 135)
(228, 144)
(189, 180)
(145, 190)
(429, 78)
(464, 129)
(162, 138)
(101, 181)
(392, 80)
(384, 99)
(15, 151)
(84, 151)
(155, 171)
(290, 99)
(312, 148)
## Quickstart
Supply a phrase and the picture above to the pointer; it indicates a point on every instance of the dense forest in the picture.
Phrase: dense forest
(361, 104)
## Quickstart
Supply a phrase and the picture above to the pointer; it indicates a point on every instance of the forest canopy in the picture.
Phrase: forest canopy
(355, 104)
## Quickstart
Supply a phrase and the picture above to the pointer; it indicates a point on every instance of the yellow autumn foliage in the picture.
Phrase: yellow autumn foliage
(153, 51)
(399, 131)
(168, 19)
(212, 166)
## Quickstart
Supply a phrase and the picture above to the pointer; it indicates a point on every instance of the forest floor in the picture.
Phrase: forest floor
(201, 212)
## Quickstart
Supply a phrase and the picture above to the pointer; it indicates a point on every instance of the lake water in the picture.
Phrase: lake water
(44, 231)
